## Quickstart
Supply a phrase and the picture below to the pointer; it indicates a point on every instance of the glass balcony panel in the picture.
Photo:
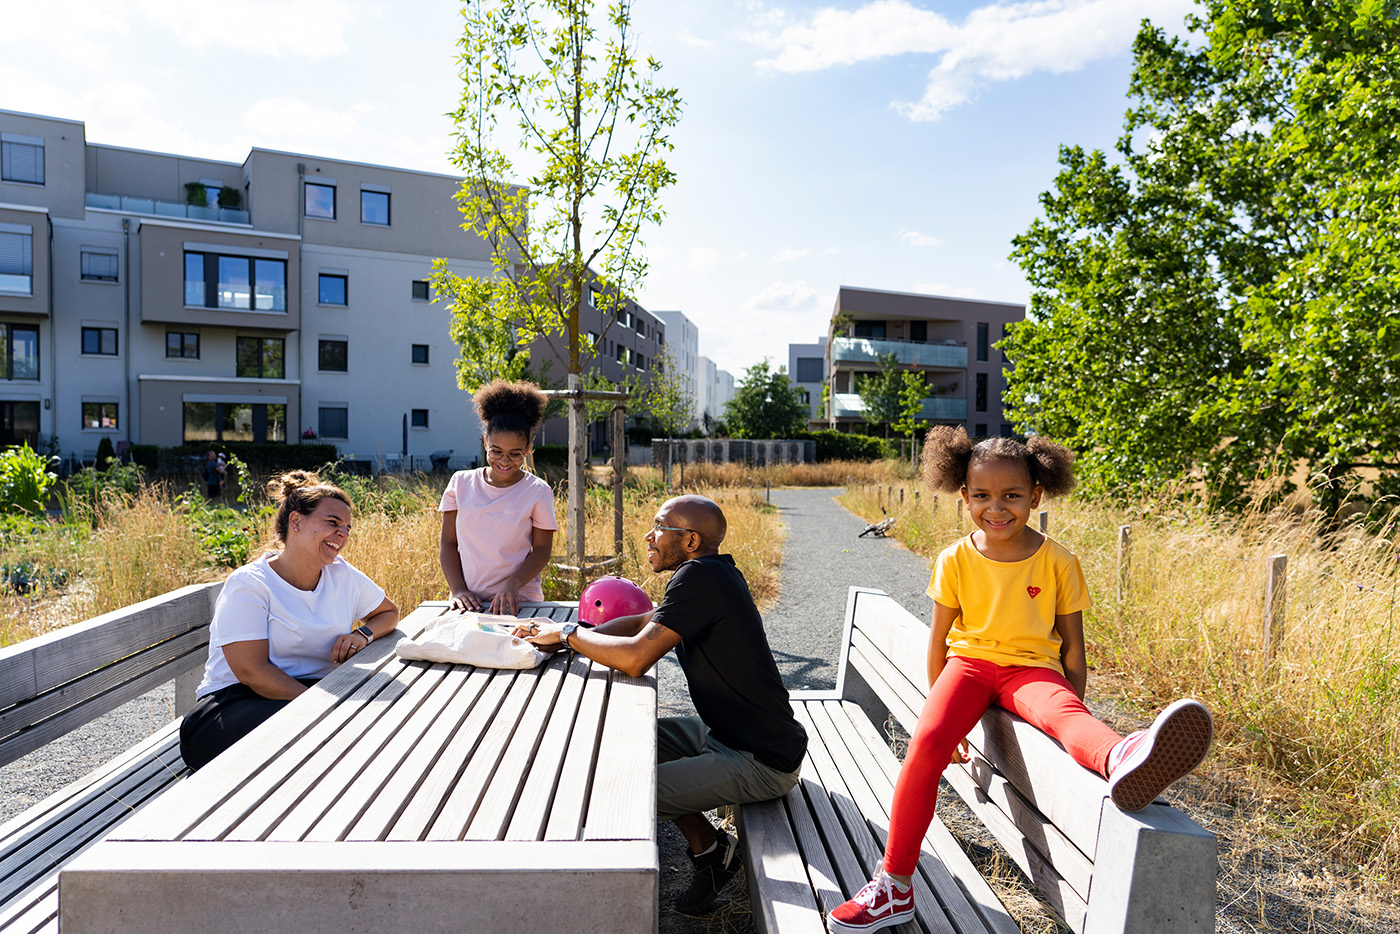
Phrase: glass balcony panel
(908, 353)
(166, 209)
(109, 202)
(138, 205)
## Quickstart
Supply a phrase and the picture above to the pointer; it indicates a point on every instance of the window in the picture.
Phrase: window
(873, 330)
(16, 258)
(99, 266)
(374, 208)
(100, 415)
(621, 354)
(1006, 429)
(183, 344)
(21, 159)
(981, 430)
(981, 394)
(101, 341)
(420, 290)
(418, 418)
(260, 357)
(19, 423)
(19, 351)
(420, 353)
(334, 422)
(809, 369)
(334, 290)
(333, 356)
(641, 362)
(320, 201)
(982, 341)
(918, 331)
(235, 421)
(240, 283)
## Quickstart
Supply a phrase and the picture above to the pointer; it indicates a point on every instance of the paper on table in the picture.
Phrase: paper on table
(473, 639)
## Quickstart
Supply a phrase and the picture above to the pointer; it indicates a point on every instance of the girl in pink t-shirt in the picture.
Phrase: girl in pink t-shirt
(498, 521)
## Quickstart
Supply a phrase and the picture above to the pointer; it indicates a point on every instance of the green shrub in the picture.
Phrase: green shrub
(25, 480)
(835, 445)
(551, 455)
(186, 461)
(85, 488)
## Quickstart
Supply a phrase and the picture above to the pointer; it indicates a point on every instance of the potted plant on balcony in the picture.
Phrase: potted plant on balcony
(196, 194)
(230, 198)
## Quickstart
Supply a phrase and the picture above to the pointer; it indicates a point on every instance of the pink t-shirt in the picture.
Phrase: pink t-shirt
(494, 526)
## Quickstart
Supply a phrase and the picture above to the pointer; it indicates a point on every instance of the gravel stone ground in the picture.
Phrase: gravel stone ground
(1265, 884)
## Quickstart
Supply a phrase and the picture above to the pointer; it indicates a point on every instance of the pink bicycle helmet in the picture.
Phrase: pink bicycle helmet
(610, 597)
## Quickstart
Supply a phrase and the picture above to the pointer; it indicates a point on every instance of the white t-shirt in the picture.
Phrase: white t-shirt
(495, 526)
(300, 626)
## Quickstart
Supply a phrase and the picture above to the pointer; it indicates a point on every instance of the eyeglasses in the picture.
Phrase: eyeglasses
(658, 527)
(498, 454)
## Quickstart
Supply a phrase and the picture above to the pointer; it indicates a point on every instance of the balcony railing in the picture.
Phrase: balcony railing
(908, 353)
(156, 208)
(935, 408)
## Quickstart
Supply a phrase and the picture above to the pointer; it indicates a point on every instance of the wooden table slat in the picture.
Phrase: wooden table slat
(533, 807)
(566, 816)
(625, 772)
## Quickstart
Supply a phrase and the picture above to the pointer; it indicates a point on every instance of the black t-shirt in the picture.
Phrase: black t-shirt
(728, 665)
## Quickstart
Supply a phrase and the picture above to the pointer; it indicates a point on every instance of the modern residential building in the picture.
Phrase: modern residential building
(716, 389)
(683, 344)
(947, 340)
(167, 299)
(806, 369)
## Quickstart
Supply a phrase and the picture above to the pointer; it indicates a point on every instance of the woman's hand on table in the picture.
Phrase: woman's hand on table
(464, 600)
(347, 645)
(507, 601)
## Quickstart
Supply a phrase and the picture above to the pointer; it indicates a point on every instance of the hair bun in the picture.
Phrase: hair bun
(278, 488)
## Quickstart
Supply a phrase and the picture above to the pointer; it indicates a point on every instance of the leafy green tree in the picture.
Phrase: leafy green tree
(592, 127)
(1219, 300)
(766, 405)
(892, 396)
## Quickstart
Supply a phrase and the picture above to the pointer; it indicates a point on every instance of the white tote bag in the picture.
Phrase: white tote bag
(473, 639)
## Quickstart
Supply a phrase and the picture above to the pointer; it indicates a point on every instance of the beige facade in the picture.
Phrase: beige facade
(949, 341)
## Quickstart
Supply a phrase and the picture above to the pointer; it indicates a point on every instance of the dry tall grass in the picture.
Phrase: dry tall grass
(1321, 713)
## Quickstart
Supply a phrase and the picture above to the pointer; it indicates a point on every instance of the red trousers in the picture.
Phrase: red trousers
(962, 693)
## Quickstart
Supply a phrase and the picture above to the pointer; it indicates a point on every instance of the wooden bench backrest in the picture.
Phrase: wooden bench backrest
(1102, 869)
(64, 679)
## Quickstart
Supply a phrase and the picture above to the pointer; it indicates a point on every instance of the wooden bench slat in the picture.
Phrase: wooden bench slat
(37, 666)
(498, 803)
(821, 874)
(626, 761)
(873, 812)
(771, 853)
(532, 810)
(35, 912)
(899, 636)
(890, 685)
(568, 812)
(943, 862)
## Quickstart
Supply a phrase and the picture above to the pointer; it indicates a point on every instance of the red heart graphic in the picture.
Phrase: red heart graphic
(1033, 591)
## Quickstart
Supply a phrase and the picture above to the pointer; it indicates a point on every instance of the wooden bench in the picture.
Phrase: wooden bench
(1101, 869)
(58, 682)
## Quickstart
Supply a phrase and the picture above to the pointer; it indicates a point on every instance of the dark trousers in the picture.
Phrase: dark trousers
(218, 720)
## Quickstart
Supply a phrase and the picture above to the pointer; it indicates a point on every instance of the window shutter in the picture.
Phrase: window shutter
(100, 266)
(23, 162)
(16, 254)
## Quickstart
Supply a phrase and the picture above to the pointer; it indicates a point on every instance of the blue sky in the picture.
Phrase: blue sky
(894, 144)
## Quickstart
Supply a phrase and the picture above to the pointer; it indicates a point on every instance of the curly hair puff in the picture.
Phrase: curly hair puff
(517, 408)
(299, 491)
(949, 454)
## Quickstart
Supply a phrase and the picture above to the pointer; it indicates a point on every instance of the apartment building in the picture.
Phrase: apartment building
(716, 389)
(946, 340)
(806, 369)
(166, 299)
(685, 351)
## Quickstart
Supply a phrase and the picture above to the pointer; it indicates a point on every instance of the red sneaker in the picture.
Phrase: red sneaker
(882, 903)
(1141, 766)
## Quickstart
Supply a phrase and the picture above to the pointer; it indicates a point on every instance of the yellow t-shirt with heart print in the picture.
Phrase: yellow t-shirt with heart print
(1008, 607)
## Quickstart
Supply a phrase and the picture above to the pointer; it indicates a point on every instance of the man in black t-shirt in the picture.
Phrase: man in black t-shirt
(745, 745)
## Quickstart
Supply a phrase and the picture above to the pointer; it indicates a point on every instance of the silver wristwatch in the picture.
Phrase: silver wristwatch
(364, 631)
(565, 631)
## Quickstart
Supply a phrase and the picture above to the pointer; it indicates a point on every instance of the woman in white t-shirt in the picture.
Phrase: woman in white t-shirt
(498, 521)
(283, 621)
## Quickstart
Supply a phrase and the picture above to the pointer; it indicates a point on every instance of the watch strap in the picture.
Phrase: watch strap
(366, 632)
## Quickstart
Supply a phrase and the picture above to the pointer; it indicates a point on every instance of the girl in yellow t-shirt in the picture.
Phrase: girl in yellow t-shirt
(1008, 629)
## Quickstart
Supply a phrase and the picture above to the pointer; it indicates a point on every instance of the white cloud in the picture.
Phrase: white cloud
(701, 258)
(784, 296)
(788, 254)
(914, 238)
(301, 127)
(996, 42)
(301, 28)
(695, 41)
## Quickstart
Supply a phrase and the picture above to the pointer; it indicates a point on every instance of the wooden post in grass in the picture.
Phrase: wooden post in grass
(619, 446)
(1125, 560)
(901, 497)
(1044, 522)
(1274, 587)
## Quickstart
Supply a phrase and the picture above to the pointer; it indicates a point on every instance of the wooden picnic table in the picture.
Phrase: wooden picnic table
(403, 796)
